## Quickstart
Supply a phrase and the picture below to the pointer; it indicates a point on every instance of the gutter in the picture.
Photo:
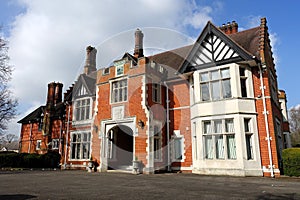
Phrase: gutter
(265, 112)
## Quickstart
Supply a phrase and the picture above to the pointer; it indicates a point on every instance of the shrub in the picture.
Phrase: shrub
(25, 160)
(291, 161)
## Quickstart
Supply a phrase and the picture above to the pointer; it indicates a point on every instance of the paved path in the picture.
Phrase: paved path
(70, 184)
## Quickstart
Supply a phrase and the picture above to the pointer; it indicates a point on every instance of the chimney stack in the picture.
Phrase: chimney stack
(229, 28)
(54, 95)
(90, 62)
(138, 48)
(58, 93)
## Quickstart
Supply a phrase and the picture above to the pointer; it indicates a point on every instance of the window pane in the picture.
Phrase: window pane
(204, 77)
(207, 127)
(226, 88)
(217, 126)
(229, 127)
(225, 73)
(178, 148)
(73, 147)
(243, 87)
(242, 71)
(219, 147)
(246, 125)
(249, 146)
(231, 148)
(215, 87)
(208, 147)
(215, 75)
(205, 91)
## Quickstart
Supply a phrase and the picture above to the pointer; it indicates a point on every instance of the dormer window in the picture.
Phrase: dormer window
(119, 67)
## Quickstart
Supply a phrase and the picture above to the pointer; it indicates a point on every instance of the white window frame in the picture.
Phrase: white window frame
(157, 137)
(213, 134)
(156, 92)
(86, 107)
(124, 92)
(38, 144)
(248, 129)
(178, 136)
(209, 81)
(55, 143)
(81, 145)
(119, 67)
(243, 78)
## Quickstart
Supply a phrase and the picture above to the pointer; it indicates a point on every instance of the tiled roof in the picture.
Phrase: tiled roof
(33, 116)
(248, 40)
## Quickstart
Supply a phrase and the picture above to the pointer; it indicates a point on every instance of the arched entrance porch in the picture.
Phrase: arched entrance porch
(119, 147)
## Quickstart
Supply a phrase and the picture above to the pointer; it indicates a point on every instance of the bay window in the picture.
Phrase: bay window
(219, 139)
(215, 85)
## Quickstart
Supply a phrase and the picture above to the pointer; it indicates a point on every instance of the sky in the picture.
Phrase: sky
(47, 39)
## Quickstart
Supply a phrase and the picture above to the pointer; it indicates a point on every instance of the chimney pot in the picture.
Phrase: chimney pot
(90, 62)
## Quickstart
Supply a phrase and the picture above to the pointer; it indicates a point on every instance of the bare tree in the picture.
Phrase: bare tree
(294, 120)
(8, 104)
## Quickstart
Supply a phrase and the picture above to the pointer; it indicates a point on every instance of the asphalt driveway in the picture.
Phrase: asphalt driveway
(71, 184)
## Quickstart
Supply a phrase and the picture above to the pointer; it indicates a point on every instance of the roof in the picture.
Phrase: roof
(35, 116)
(248, 40)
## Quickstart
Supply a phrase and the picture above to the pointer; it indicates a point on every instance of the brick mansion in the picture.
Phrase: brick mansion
(212, 107)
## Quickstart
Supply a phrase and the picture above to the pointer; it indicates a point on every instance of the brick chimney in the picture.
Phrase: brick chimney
(51, 94)
(138, 47)
(58, 93)
(229, 28)
(90, 62)
(54, 95)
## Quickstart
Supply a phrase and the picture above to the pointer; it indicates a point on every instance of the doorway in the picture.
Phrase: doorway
(120, 147)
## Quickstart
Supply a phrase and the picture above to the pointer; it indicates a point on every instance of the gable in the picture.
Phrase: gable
(213, 48)
(84, 86)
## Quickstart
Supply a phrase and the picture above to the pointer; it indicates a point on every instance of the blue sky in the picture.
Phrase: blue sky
(47, 39)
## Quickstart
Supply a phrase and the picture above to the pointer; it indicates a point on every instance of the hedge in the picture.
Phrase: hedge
(25, 160)
(291, 161)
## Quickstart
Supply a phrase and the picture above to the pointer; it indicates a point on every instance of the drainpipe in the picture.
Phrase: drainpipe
(265, 112)
(59, 140)
(30, 135)
(168, 126)
(67, 136)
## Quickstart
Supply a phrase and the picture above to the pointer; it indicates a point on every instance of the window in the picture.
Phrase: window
(248, 136)
(243, 81)
(40, 124)
(80, 145)
(119, 67)
(38, 144)
(105, 71)
(178, 148)
(82, 109)
(215, 85)
(55, 143)
(156, 88)
(217, 134)
(157, 143)
(119, 91)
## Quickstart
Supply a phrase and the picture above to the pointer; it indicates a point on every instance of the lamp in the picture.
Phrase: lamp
(141, 124)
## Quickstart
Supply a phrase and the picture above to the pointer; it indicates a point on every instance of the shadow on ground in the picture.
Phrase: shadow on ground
(16, 197)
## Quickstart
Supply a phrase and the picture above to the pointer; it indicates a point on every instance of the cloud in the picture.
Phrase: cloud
(48, 40)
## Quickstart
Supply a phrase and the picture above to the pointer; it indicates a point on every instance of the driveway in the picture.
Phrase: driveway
(71, 184)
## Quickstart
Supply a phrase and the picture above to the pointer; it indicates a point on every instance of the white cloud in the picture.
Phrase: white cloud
(48, 40)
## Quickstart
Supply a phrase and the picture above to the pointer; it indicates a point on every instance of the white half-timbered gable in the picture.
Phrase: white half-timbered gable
(213, 48)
